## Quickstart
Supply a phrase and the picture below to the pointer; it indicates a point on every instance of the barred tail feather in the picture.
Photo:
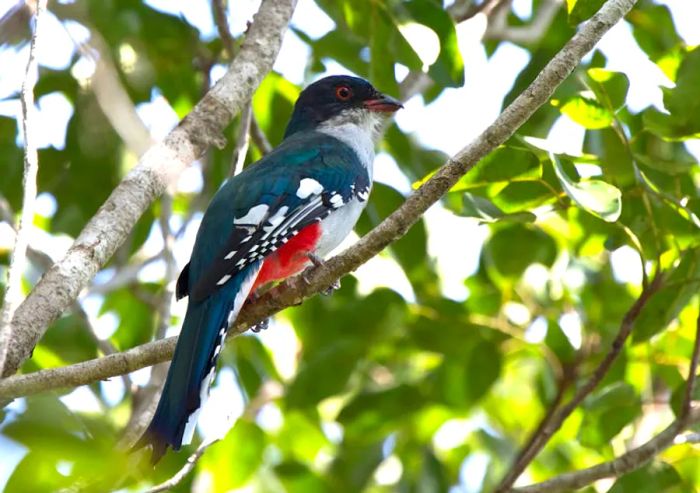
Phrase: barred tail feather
(194, 364)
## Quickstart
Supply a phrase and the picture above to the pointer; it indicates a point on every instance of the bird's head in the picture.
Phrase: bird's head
(340, 100)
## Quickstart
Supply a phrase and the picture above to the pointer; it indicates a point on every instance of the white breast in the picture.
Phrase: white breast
(337, 226)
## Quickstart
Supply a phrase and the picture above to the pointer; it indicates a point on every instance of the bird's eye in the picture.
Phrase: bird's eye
(343, 93)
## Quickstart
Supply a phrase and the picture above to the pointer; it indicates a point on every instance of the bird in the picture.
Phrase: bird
(279, 216)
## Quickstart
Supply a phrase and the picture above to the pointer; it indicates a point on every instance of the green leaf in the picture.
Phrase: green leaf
(667, 303)
(301, 437)
(354, 464)
(606, 413)
(344, 47)
(511, 249)
(613, 154)
(233, 461)
(381, 69)
(682, 103)
(273, 102)
(503, 165)
(587, 111)
(298, 478)
(324, 375)
(448, 68)
(559, 343)
(486, 211)
(609, 87)
(653, 29)
(580, 10)
(253, 363)
(137, 320)
(657, 477)
(373, 414)
(70, 339)
(595, 196)
(520, 195)
(11, 184)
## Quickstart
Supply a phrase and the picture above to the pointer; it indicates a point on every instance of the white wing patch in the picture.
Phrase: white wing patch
(308, 186)
(363, 195)
(223, 280)
(254, 216)
(275, 220)
(336, 200)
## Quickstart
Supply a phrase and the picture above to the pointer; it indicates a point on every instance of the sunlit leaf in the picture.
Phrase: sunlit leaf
(609, 87)
(587, 112)
(595, 196)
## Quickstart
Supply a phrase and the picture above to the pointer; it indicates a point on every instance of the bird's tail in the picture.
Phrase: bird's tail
(194, 364)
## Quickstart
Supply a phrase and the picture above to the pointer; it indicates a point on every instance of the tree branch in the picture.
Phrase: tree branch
(638, 457)
(629, 461)
(555, 420)
(529, 33)
(294, 291)
(13, 293)
(157, 168)
(113, 99)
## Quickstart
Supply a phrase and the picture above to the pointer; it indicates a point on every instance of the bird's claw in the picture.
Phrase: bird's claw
(332, 288)
(318, 262)
(262, 325)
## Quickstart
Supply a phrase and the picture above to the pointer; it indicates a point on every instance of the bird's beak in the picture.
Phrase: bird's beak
(383, 104)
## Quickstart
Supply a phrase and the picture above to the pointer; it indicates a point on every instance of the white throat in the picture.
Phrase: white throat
(358, 129)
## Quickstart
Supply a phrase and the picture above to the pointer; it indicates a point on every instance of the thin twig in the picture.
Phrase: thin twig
(258, 136)
(242, 140)
(13, 293)
(530, 33)
(568, 377)
(638, 457)
(218, 8)
(557, 419)
(179, 476)
(123, 277)
(243, 133)
(112, 97)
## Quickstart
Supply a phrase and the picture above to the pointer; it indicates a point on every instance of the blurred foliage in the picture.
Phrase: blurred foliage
(386, 393)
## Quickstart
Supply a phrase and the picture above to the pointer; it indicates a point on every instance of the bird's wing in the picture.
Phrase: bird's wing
(271, 202)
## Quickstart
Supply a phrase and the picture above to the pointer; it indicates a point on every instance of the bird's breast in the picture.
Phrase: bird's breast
(338, 225)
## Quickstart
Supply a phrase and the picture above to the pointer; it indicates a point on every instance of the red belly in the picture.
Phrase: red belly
(291, 258)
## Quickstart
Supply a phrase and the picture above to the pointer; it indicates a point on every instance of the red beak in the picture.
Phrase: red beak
(383, 104)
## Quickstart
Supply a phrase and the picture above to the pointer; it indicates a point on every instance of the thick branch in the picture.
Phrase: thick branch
(13, 293)
(295, 291)
(160, 166)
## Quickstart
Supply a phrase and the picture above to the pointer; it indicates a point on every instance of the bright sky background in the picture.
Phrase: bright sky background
(454, 242)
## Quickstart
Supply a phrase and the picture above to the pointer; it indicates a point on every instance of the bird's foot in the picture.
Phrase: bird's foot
(318, 262)
(262, 325)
